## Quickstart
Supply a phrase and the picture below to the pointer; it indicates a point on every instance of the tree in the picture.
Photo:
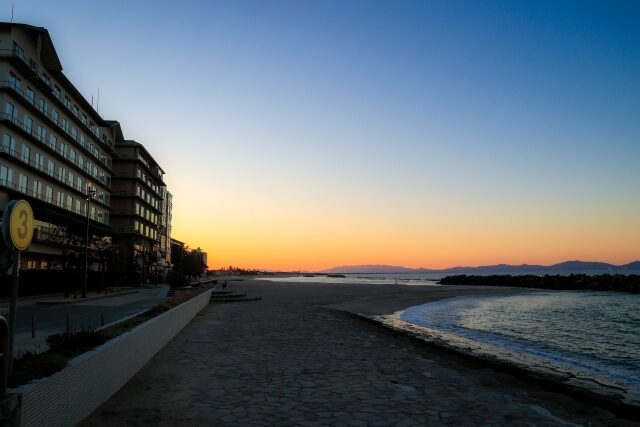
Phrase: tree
(104, 249)
(70, 245)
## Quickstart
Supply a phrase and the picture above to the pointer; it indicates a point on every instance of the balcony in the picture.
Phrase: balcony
(58, 125)
(97, 217)
(76, 162)
(18, 53)
(40, 168)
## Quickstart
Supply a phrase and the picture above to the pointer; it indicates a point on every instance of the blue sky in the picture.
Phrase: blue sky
(420, 121)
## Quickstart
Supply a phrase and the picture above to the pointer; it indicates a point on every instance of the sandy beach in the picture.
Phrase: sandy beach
(299, 357)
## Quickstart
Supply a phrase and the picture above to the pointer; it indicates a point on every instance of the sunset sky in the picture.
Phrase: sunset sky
(305, 135)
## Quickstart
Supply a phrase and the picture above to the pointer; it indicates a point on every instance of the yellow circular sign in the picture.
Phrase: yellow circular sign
(21, 225)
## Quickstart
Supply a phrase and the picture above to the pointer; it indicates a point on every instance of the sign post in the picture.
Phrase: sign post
(17, 230)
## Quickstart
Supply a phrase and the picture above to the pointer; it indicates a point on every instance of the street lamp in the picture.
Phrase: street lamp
(91, 192)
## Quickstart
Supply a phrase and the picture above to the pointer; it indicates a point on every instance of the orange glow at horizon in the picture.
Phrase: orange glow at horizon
(275, 237)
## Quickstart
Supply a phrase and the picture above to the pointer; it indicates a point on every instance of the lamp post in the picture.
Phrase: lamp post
(90, 193)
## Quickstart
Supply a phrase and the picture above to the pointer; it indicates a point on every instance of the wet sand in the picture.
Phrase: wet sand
(288, 360)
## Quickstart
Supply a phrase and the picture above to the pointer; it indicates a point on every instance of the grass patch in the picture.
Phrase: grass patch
(66, 345)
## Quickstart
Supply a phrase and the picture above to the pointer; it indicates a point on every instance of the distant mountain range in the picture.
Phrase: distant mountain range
(563, 267)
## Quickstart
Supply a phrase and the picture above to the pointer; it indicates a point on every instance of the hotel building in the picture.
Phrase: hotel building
(137, 199)
(164, 231)
(56, 152)
(54, 145)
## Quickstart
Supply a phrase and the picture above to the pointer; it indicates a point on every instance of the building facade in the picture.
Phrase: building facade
(137, 199)
(164, 232)
(76, 169)
(55, 149)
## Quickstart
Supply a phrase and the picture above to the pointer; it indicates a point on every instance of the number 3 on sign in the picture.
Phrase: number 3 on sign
(21, 225)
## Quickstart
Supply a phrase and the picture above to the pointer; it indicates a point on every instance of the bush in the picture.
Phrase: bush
(177, 280)
(75, 341)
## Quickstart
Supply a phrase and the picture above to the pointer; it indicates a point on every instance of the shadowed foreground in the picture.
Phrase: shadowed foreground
(286, 361)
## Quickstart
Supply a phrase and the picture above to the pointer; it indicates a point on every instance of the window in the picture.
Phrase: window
(80, 186)
(65, 125)
(37, 187)
(39, 161)
(43, 106)
(6, 175)
(61, 173)
(76, 111)
(31, 95)
(28, 123)
(67, 102)
(51, 167)
(23, 183)
(53, 141)
(41, 134)
(56, 91)
(74, 133)
(18, 50)
(82, 140)
(11, 111)
(69, 201)
(15, 82)
(55, 116)
(9, 143)
(26, 152)
(72, 179)
(49, 194)
(60, 198)
(63, 149)
(46, 79)
(84, 118)
(78, 206)
(72, 156)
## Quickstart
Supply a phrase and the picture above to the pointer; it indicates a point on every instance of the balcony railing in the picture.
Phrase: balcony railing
(98, 216)
(58, 124)
(76, 162)
(40, 167)
(19, 53)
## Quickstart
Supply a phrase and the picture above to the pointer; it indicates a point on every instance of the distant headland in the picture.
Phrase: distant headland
(563, 267)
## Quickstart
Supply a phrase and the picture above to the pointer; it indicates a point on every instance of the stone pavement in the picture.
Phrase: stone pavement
(286, 361)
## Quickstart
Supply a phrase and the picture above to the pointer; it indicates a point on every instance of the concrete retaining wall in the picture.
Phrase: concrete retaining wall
(90, 379)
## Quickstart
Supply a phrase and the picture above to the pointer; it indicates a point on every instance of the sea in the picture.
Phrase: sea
(592, 337)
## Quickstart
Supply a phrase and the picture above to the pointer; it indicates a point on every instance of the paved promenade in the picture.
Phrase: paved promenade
(285, 361)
